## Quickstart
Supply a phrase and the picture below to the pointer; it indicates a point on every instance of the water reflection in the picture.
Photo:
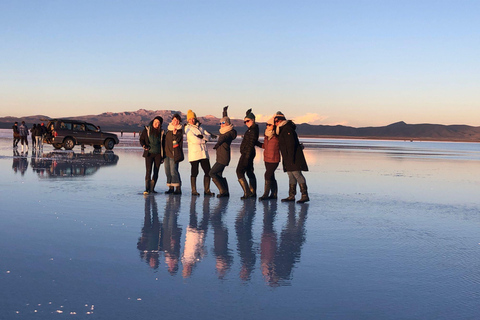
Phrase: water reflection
(275, 252)
(70, 164)
(20, 162)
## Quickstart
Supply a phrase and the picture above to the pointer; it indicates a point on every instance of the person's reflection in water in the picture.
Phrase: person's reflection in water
(292, 239)
(149, 242)
(223, 256)
(20, 162)
(243, 227)
(268, 244)
(171, 234)
(16, 160)
(194, 249)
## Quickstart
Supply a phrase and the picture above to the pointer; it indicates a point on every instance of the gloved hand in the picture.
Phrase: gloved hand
(199, 136)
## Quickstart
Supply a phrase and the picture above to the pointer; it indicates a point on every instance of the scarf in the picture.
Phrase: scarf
(269, 133)
(171, 127)
(226, 129)
(281, 124)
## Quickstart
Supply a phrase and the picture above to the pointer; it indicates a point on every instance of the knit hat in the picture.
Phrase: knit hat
(191, 115)
(159, 119)
(250, 115)
(280, 116)
(271, 120)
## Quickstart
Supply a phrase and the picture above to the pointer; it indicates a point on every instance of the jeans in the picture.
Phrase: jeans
(295, 177)
(171, 170)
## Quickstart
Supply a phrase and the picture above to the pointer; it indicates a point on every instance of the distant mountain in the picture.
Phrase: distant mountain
(136, 120)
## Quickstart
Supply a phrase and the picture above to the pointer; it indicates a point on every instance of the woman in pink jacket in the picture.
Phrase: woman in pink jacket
(271, 157)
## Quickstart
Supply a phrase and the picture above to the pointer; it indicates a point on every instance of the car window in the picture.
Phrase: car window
(91, 127)
(78, 127)
(66, 125)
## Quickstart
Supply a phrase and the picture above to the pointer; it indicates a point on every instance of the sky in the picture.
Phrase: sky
(357, 63)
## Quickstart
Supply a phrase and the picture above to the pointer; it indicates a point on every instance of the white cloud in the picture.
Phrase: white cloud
(310, 118)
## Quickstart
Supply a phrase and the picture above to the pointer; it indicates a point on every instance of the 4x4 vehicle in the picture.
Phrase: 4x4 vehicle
(68, 133)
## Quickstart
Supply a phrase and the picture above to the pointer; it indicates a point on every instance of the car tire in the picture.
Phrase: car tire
(68, 143)
(109, 144)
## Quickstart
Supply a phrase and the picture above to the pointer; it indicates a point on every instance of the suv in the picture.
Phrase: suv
(68, 133)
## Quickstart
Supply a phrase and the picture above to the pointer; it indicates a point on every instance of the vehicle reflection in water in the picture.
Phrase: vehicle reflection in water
(20, 162)
(276, 254)
(58, 164)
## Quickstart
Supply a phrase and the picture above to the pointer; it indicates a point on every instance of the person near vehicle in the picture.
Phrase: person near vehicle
(152, 140)
(33, 132)
(16, 134)
(174, 154)
(247, 154)
(197, 138)
(271, 157)
(23, 130)
(293, 159)
(222, 147)
(40, 133)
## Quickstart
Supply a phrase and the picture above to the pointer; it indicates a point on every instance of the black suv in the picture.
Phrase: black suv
(68, 133)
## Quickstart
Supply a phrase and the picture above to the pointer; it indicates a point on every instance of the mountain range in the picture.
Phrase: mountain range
(136, 120)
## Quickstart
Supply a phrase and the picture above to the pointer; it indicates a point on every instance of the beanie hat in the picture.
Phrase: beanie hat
(191, 115)
(271, 120)
(250, 115)
(159, 119)
(280, 116)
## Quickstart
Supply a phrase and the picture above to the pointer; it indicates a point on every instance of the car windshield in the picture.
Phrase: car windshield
(91, 127)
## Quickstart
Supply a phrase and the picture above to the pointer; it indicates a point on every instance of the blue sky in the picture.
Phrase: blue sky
(358, 63)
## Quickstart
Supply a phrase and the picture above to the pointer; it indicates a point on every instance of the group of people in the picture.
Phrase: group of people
(280, 143)
(21, 133)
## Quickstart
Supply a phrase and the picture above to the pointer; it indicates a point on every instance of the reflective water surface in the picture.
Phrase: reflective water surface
(391, 232)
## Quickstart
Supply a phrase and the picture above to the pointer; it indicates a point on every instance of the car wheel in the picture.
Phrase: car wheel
(68, 144)
(57, 146)
(109, 144)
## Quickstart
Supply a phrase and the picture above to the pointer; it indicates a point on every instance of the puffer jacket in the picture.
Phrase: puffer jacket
(145, 141)
(293, 158)
(271, 153)
(197, 138)
(250, 139)
(223, 146)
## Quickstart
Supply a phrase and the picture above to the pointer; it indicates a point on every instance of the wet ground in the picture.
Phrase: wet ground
(391, 232)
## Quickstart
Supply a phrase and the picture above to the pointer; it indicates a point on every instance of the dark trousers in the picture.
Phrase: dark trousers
(217, 171)
(205, 163)
(152, 160)
(270, 171)
(245, 165)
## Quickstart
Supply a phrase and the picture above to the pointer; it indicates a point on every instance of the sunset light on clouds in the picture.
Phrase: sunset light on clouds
(360, 63)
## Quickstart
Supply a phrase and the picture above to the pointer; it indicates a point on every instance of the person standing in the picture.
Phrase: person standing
(197, 139)
(271, 157)
(222, 147)
(33, 131)
(40, 135)
(23, 130)
(152, 140)
(16, 134)
(174, 154)
(293, 159)
(247, 154)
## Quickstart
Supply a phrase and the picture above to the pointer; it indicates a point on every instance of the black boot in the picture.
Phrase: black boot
(225, 184)
(193, 182)
(292, 191)
(303, 190)
(222, 192)
(246, 189)
(273, 190)
(178, 190)
(268, 184)
(147, 186)
(206, 187)
(152, 186)
(253, 186)
(170, 190)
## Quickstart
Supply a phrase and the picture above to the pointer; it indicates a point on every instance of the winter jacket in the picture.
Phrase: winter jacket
(23, 130)
(197, 138)
(223, 146)
(145, 141)
(169, 142)
(293, 158)
(250, 138)
(271, 151)
(16, 133)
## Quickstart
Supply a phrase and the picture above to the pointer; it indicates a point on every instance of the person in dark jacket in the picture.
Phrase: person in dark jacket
(247, 154)
(271, 157)
(222, 147)
(33, 132)
(152, 140)
(39, 135)
(16, 134)
(293, 159)
(174, 154)
(23, 130)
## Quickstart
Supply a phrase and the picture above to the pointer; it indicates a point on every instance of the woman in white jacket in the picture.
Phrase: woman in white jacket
(197, 138)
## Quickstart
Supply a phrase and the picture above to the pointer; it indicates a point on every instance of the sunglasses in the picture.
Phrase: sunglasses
(222, 122)
(246, 121)
(269, 124)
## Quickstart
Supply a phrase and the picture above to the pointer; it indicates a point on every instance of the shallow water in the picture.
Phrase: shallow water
(391, 232)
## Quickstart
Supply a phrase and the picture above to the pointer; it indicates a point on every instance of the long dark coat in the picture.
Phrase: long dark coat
(293, 158)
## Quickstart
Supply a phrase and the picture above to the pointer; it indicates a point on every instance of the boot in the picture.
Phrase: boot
(246, 189)
(292, 191)
(268, 184)
(170, 190)
(253, 186)
(225, 184)
(152, 186)
(206, 187)
(193, 182)
(222, 192)
(147, 186)
(178, 190)
(273, 190)
(303, 190)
